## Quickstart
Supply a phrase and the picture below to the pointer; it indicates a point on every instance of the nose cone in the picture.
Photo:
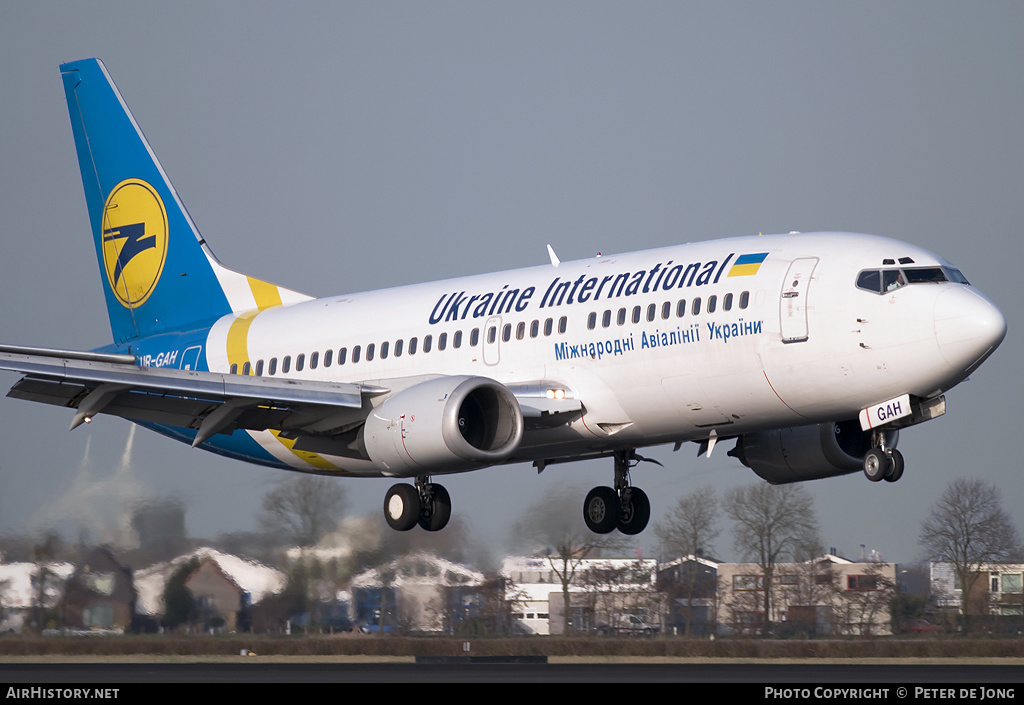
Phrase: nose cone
(968, 327)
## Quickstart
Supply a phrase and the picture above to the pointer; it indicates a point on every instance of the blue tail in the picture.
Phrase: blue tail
(158, 273)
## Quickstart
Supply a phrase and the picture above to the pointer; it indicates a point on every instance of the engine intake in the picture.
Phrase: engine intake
(801, 453)
(444, 425)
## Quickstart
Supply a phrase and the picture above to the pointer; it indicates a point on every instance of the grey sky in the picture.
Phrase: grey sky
(336, 147)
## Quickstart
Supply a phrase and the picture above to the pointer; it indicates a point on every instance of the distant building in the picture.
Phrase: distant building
(825, 595)
(99, 594)
(417, 592)
(19, 591)
(998, 591)
(605, 595)
(690, 586)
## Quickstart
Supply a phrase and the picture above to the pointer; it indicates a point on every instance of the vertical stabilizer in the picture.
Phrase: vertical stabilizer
(158, 274)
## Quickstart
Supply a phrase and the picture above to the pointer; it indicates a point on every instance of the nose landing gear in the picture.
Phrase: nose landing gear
(881, 463)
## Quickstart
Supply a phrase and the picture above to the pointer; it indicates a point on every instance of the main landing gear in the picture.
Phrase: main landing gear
(625, 508)
(882, 463)
(427, 504)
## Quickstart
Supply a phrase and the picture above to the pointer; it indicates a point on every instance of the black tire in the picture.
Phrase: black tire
(601, 510)
(896, 471)
(402, 507)
(635, 513)
(435, 517)
(876, 464)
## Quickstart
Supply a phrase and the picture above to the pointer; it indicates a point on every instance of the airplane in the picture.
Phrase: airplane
(810, 351)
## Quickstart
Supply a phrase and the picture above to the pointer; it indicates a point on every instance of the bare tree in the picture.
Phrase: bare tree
(302, 508)
(770, 523)
(555, 527)
(689, 530)
(968, 527)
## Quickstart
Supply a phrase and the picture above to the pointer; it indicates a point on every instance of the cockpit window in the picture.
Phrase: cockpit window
(881, 281)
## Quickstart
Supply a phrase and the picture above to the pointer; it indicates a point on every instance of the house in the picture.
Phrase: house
(605, 594)
(417, 592)
(222, 585)
(100, 594)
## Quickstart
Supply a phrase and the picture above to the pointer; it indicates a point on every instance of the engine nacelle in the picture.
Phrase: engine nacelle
(807, 452)
(444, 425)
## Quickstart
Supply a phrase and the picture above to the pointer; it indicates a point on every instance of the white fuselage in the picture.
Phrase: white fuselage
(788, 341)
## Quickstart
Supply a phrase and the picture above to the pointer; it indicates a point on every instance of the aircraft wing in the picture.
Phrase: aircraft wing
(207, 402)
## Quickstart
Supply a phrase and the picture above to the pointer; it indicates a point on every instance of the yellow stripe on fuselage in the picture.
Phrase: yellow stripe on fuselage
(266, 296)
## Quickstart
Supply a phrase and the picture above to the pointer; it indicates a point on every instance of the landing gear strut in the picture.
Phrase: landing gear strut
(427, 504)
(625, 508)
(881, 463)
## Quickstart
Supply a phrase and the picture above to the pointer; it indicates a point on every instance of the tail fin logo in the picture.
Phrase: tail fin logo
(134, 241)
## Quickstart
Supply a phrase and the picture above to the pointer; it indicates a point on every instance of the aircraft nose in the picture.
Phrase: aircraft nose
(968, 327)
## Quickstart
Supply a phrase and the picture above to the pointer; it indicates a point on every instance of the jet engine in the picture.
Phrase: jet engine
(444, 425)
(801, 453)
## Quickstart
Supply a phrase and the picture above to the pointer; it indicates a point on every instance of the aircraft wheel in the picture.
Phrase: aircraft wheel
(601, 510)
(896, 471)
(402, 507)
(876, 464)
(435, 515)
(635, 513)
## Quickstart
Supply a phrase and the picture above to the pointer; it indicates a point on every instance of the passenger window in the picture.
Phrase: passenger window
(492, 334)
(427, 342)
(457, 339)
(712, 303)
(506, 332)
(727, 302)
(286, 364)
(247, 368)
(300, 362)
(355, 354)
(636, 314)
(398, 348)
(521, 330)
(412, 346)
(474, 337)
(328, 357)
(652, 312)
(744, 299)
(606, 319)
(562, 324)
(621, 317)
(547, 327)
(234, 368)
(534, 329)
(592, 320)
(384, 350)
(370, 349)
(695, 308)
(341, 355)
(681, 308)
(666, 309)
(273, 366)
(442, 341)
(259, 368)
(314, 359)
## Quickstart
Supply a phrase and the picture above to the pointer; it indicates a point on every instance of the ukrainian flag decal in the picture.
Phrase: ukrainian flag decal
(746, 265)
